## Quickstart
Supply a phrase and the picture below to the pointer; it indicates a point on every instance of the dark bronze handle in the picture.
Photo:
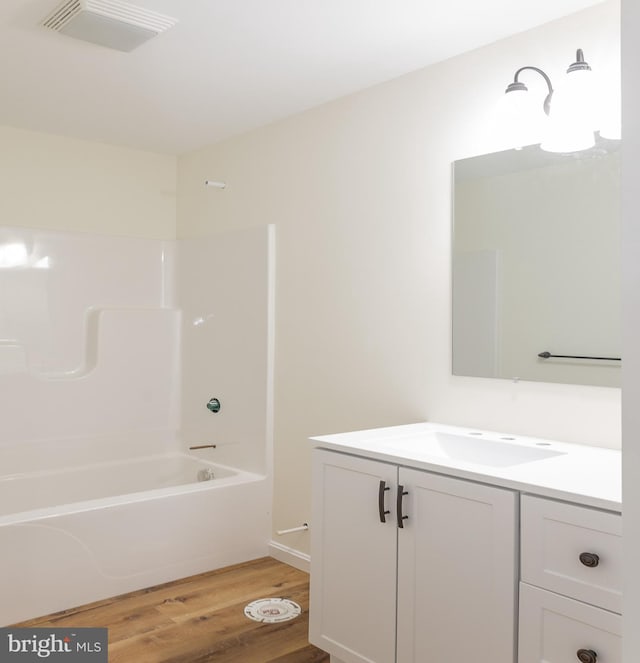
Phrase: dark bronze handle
(381, 510)
(589, 559)
(401, 493)
(587, 656)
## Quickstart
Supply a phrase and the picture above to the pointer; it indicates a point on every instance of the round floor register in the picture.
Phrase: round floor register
(272, 610)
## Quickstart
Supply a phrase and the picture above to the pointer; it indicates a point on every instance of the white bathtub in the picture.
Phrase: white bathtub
(69, 537)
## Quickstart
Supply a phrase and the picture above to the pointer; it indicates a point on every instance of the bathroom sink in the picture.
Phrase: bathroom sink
(470, 449)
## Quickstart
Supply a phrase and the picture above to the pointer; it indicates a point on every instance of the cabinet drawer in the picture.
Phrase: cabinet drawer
(555, 629)
(573, 550)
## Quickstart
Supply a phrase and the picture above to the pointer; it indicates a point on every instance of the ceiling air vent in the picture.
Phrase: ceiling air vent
(110, 23)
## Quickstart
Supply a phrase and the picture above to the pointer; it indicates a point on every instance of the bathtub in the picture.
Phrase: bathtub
(77, 535)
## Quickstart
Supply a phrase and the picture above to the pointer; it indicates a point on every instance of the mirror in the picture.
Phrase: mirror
(536, 265)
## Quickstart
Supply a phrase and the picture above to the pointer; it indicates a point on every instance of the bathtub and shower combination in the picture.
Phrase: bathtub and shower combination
(105, 375)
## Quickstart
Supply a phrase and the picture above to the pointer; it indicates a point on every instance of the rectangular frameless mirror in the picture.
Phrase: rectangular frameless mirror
(536, 265)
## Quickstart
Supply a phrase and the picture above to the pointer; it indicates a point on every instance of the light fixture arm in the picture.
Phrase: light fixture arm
(518, 85)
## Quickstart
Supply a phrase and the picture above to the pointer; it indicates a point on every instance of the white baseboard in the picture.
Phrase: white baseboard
(290, 556)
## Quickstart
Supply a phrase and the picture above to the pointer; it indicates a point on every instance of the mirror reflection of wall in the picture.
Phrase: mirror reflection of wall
(536, 265)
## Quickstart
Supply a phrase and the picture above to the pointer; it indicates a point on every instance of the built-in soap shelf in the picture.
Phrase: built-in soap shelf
(101, 325)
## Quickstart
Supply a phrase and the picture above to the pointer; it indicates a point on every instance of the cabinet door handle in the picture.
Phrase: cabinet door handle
(587, 656)
(589, 559)
(401, 493)
(381, 510)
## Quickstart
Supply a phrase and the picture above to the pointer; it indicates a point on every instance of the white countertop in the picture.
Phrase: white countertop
(576, 473)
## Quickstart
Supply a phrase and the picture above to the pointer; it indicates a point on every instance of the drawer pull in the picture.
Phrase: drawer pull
(587, 656)
(591, 560)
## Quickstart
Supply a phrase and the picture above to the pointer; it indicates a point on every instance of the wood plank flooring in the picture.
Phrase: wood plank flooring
(201, 619)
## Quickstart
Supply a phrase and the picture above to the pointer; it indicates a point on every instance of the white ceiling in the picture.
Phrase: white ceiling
(232, 65)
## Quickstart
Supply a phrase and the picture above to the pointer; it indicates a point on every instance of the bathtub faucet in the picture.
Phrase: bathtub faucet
(204, 446)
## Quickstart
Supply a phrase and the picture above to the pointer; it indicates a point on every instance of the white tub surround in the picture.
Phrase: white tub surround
(112, 338)
(103, 343)
(511, 543)
(88, 337)
(225, 292)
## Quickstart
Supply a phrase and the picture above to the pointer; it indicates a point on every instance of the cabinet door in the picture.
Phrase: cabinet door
(353, 558)
(456, 571)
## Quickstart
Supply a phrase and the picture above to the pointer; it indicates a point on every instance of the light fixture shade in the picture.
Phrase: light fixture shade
(564, 138)
(111, 23)
(521, 118)
(573, 117)
(576, 96)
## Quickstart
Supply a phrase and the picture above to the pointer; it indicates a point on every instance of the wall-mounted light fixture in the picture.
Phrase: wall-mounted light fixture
(569, 119)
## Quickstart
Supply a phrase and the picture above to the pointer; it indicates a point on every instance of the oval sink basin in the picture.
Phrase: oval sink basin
(470, 449)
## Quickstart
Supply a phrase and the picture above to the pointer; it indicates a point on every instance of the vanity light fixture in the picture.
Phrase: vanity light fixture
(568, 121)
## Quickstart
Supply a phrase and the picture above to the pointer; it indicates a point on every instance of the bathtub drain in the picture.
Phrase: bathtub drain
(206, 474)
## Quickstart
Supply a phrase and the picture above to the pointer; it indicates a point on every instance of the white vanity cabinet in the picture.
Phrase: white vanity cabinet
(571, 589)
(409, 566)
(353, 574)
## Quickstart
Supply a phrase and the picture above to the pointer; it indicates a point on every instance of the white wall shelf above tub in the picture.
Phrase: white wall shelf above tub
(123, 329)
(577, 473)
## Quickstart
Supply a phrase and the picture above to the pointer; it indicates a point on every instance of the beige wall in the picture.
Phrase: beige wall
(359, 191)
(61, 183)
(631, 328)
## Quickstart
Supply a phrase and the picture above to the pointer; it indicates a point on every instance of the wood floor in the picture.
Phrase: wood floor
(201, 619)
